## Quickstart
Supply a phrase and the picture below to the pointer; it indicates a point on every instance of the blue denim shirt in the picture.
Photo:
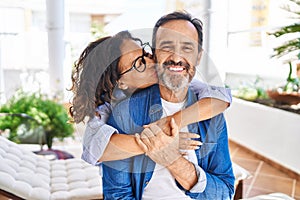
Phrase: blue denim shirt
(126, 179)
(97, 132)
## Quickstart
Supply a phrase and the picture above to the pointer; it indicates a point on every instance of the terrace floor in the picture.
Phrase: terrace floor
(265, 179)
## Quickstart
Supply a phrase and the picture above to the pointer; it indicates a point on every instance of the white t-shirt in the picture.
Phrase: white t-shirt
(162, 184)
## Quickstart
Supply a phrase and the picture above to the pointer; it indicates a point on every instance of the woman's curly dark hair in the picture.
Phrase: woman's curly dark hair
(95, 75)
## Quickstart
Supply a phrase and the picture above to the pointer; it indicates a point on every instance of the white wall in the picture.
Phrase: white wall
(270, 132)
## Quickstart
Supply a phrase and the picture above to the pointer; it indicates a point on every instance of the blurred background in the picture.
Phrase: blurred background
(254, 45)
(236, 37)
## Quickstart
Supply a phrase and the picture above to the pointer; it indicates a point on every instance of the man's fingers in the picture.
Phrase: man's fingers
(155, 129)
(147, 133)
(174, 127)
(187, 135)
(147, 137)
(140, 143)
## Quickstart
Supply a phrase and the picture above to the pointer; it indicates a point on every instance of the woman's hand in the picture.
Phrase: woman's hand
(187, 142)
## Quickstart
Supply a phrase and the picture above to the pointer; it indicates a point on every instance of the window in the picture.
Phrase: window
(249, 45)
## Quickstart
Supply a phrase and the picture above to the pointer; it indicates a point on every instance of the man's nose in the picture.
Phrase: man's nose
(176, 57)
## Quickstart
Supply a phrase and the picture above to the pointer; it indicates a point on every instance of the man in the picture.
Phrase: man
(205, 173)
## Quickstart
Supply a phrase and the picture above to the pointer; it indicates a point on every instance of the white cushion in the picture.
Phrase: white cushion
(240, 173)
(29, 176)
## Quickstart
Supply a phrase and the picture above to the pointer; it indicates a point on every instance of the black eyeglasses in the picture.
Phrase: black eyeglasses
(139, 64)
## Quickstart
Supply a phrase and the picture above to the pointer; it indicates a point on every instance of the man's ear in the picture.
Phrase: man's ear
(199, 57)
(122, 85)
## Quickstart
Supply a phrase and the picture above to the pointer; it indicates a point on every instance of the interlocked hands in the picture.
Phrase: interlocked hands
(164, 149)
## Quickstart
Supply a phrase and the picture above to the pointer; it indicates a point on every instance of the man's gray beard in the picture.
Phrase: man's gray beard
(174, 82)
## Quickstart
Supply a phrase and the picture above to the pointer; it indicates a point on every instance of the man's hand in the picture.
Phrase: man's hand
(161, 148)
(164, 150)
(163, 124)
(186, 141)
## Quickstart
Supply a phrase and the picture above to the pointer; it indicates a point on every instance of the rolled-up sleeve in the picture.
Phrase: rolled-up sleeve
(203, 90)
(201, 184)
(96, 138)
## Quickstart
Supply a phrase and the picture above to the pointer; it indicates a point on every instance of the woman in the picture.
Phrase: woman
(123, 67)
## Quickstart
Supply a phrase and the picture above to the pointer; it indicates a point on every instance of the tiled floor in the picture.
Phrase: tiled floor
(265, 178)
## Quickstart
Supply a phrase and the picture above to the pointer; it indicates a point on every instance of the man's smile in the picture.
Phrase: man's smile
(176, 68)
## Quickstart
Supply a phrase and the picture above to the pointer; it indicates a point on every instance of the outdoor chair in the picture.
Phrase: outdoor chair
(25, 175)
(240, 175)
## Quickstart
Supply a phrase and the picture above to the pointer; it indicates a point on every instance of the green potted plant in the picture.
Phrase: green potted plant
(251, 91)
(290, 49)
(37, 113)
